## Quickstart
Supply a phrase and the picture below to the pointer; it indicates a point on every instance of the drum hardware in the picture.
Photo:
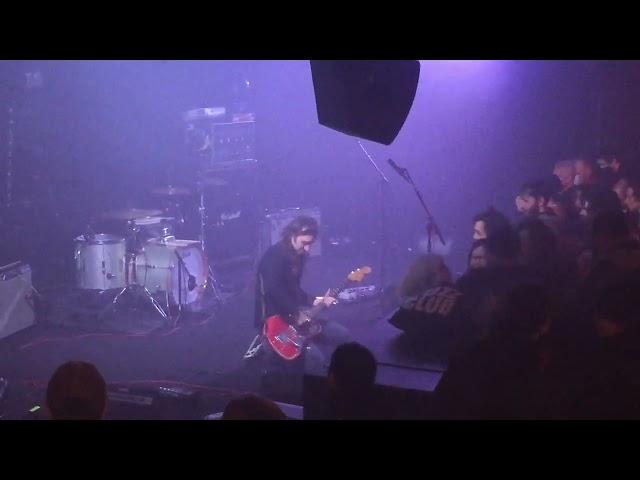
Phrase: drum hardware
(211, 278)
(172, 200)
(155, 227)
(177, 267)
(171, 191)
(209, 113)
(223, 166)
(176, 207)
(148, 260)
(131, 213)
(131, 279)
(100, 261)
(138, 290)
(191, 284)
(214, 182)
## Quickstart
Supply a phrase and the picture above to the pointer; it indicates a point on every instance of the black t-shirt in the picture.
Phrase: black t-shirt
(600, 378)
(278, 290)
(493, 379)
(432, 312)
(481, 289)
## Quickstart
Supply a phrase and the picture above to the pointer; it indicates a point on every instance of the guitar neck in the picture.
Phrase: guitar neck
(321, 306)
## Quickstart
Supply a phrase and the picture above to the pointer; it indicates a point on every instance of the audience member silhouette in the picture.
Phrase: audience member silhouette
(77, 391)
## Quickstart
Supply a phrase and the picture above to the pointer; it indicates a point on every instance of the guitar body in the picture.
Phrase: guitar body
(283, 338)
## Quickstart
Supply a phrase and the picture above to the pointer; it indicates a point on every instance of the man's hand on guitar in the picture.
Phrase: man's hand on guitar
(283, 334)
(327, 300)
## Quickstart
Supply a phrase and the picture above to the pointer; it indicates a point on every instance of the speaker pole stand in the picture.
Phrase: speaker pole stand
(432, 226)
(382, 224)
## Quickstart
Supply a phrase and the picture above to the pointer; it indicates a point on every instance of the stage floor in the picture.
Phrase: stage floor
(204, 353)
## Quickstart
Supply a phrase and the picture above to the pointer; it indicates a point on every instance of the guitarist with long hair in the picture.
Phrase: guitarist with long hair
(278, 290)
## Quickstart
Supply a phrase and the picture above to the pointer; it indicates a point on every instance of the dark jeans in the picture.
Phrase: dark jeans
(314, 359)
(318, 352)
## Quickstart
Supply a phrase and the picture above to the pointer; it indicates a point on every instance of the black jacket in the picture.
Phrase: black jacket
(278, 290)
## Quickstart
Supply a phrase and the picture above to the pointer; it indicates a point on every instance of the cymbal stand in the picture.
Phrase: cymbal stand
(211, 279)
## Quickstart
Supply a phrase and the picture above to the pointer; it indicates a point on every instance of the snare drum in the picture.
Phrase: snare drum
(158, 269)
(100, 262)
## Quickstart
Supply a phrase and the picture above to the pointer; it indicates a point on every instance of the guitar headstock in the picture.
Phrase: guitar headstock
(355, 276)
(359, 274)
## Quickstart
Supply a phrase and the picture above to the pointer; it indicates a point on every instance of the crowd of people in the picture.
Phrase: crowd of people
(544, 322)
(542, 325)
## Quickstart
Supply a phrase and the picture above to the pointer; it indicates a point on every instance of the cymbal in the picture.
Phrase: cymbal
(131, 213)
(171, 191)
(231, 165)
(153, 220)
(208, 113)
(213, 182)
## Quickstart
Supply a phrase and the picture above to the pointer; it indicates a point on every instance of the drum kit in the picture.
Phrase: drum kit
(146, 259)
(149, 262)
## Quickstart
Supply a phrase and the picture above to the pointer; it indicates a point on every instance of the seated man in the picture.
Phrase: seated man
(279, 294)
(429, 307)
(425, 272)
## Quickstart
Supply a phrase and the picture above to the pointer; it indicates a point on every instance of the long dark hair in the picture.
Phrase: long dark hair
(302, 225)
(476, 243)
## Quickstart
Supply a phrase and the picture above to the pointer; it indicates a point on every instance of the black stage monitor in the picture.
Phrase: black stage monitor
(368, 99)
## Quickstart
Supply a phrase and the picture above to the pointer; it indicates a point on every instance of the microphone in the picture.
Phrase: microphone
(191, 282)
(399, 170)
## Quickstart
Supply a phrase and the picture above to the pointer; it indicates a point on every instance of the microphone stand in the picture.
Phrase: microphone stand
(181, 267)
(383, 185)
(432, 226)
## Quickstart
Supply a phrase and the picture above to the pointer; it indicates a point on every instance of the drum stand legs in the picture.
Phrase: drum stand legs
(215, 286)
(139, 291)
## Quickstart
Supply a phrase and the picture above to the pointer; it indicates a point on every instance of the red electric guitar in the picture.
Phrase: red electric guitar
(287, 340)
